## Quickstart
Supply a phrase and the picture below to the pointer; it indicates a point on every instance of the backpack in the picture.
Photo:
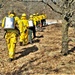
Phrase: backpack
(9, 23)
(30, 23)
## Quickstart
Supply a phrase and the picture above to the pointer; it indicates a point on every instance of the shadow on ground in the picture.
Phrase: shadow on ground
(26, 51)
(72, 50)
(41, 36)
(37, 39)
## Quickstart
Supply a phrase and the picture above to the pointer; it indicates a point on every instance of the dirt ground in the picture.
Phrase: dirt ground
(43, 57)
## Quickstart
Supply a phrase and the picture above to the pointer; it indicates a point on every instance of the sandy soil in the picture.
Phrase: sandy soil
(43, 57)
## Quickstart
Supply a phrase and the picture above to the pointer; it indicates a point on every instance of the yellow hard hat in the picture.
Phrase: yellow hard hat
(12, 15)
(31, 16)
(37, 13)
(34, 14)
(23, 14)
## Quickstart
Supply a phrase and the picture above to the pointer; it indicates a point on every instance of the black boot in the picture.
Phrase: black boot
(31, 42)
(21, 43)
(10, 59)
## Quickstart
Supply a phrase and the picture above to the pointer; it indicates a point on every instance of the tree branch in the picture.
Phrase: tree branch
(52, 8)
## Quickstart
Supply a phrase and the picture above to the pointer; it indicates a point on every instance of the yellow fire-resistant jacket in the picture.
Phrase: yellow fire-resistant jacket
(44, 16)
(35, 19)
(23, 24)
(40, 17)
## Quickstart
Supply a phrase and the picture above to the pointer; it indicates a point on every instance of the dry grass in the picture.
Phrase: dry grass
(43, 57)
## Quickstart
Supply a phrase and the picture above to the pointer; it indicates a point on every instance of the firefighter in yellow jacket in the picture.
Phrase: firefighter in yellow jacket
(35, 23)
(11, 36)
(23, 27)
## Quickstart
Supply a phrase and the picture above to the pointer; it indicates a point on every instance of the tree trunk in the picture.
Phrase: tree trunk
(64, 38)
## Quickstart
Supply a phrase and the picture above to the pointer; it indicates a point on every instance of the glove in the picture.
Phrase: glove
(25, 31)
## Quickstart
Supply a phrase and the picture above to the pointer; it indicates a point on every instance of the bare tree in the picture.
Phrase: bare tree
(66, 9)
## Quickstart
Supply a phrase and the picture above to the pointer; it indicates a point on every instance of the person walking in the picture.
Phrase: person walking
(34, 18)
(23, 27)
(40, 22)
(30, 29)
(9, 25)
(44, 19)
